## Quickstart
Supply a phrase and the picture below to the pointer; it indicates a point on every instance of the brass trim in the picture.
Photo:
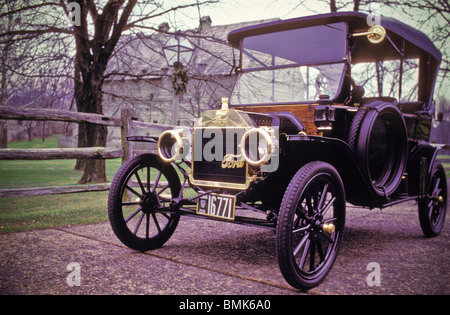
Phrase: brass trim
(329, 228)
(225, 102)
(270, 146)
(216, 184)
(375, 34)
(177, 135)
(211, 184)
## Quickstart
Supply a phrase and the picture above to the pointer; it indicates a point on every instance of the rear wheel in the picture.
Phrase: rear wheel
(139, 202)
(433, 206)
(310, 225)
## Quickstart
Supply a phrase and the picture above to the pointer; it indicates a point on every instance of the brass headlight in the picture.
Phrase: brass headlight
(171, 146)
(257, 146)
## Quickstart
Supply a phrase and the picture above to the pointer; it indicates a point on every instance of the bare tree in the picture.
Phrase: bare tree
(96, 29)
(432, 16)
(342, 5)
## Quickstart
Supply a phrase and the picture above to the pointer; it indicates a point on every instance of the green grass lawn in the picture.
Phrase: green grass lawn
(445, 160)
(27, 213)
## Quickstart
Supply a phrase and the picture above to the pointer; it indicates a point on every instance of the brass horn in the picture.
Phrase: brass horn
(375, 34)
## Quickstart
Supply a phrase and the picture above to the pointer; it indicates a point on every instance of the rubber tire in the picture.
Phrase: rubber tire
(432, 227)
(397, 144)
(355, 127)
(116, 218)
(292, 197)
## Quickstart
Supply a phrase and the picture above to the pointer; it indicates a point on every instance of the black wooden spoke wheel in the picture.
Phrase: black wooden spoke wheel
(310, 225)
(433, 206)
(139, 202)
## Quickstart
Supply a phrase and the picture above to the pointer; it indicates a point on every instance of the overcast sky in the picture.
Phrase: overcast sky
(234, 11)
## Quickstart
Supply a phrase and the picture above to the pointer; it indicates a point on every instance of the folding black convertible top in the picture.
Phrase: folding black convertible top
(416, 43)
(401, 42)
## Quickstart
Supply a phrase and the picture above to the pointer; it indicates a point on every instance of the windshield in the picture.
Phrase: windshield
(291, 66)
(297, 84)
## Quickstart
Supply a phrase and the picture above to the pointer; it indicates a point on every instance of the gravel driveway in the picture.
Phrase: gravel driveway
(383, 252)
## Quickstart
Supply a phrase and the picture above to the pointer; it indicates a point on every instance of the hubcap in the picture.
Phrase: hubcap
(318, 225)
(150, 203)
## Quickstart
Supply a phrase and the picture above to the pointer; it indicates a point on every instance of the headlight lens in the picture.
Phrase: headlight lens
(170, 145)
(257, 146)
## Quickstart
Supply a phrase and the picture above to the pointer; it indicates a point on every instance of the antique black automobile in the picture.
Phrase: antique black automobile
(305, 131)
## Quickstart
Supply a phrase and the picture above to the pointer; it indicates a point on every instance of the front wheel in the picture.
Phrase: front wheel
(310, 225)
(139, 202)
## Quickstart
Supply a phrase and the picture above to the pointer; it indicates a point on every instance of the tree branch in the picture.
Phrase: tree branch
(50, 29)
(148, 17)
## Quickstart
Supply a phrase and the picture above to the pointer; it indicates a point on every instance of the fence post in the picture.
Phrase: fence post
(3, 134)
(125, 132)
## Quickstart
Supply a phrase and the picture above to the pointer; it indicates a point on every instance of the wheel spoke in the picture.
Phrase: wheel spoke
(327, 237)
(131, 216)
(302, 229)
(315, 195)
(296, 222)
(430, 210)
(301, 211)
(312, 255)
(147, 226)
(437, 192)
(148, 178)
(320, 250)
(162, 190)
(309, 206)
(304, 254)
(323, 196)
(436, 187)
(130, 203)
(156, 182)
(133, 191)
(156, 222)
(327, 207)
(304, 239)
(140, 182)
(138, 224)
(329, 220)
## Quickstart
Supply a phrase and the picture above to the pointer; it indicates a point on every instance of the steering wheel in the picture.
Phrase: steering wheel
(324, 80)
(321, 82)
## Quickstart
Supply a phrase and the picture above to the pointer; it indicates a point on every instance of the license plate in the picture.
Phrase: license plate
(215, 205)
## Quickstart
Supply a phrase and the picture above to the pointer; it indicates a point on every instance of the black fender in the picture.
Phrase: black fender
(143, 139)
(422, 156)
(298, 150)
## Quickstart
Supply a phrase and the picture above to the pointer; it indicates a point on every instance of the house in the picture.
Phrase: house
(140, 79)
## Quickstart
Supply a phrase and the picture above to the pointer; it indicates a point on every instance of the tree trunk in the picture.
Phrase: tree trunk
(94, 170)
(333, 7)
(91, 60)
(88, 95)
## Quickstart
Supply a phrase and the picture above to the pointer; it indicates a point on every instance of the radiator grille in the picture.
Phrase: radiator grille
(212, 171)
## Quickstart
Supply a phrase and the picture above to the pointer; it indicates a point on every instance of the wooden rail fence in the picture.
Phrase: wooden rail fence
(126, 122)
